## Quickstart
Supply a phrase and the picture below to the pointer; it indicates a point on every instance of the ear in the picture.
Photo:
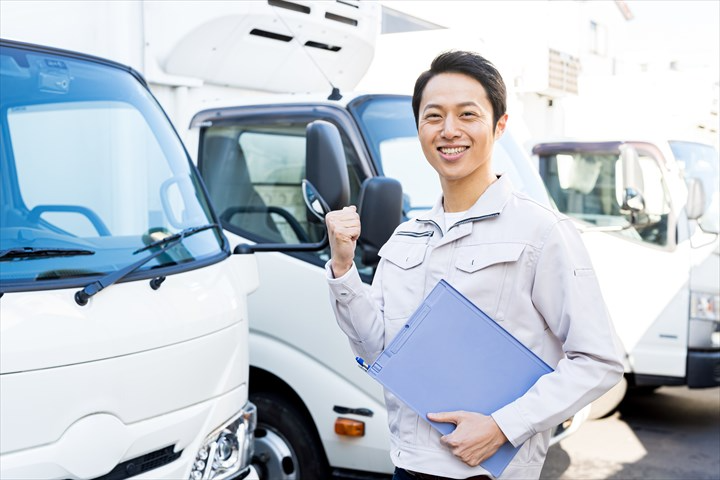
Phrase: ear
(500, 126)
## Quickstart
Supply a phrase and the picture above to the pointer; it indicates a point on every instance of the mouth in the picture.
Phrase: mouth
(452, 151)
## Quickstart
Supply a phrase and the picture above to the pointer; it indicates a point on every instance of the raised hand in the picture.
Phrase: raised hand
(343, 228)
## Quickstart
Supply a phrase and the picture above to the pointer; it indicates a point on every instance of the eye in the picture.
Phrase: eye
(432, 116)
(468, 114)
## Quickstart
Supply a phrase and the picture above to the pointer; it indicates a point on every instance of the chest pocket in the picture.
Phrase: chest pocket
(403, 277)
(489, 275)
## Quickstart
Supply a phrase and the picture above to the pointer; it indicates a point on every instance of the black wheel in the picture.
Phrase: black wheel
(286, 444)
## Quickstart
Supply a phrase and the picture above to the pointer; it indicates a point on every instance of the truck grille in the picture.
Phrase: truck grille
(142, 464)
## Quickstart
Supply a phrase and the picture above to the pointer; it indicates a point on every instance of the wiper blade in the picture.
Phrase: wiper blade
(176, 236)
(82, 296)
(34, 252)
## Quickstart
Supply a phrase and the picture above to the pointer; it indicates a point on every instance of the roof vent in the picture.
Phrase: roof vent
(295, 7)
(322, 46)
(272, 35)
(341, 19)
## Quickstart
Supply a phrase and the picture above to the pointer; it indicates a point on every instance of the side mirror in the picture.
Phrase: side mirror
(695, 206)
(633, 186)
(380, 204)
(325, 165)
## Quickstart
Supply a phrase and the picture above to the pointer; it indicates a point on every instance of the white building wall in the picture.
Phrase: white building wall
(618, 94)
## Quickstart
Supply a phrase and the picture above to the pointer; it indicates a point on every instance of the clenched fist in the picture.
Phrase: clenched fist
(343, 228)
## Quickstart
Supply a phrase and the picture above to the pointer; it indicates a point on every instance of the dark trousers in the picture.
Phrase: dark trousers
(401, 474)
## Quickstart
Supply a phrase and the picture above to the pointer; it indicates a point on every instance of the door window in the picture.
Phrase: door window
(253, 172)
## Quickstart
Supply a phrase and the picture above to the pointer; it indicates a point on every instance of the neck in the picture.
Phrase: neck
(460, 195)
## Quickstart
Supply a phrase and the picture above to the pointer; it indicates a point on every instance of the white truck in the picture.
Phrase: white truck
(648, 212)
(124, 332)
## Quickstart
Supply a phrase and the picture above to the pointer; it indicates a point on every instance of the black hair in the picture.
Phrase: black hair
(472, 65)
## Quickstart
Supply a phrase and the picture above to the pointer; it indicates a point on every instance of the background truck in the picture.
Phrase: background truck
(124, 333)
(648, 212)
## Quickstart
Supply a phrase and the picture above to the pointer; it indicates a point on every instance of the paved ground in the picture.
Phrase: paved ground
(673, 433)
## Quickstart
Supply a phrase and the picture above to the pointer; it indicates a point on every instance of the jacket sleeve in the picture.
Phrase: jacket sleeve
(566, 293)
(359, 311)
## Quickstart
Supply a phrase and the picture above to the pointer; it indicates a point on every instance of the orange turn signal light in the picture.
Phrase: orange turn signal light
(349, 427)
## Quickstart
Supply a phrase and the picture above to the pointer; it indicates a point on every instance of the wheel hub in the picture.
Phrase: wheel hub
(274, 458)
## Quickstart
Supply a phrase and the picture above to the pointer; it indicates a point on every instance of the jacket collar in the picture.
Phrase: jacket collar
(490, 204)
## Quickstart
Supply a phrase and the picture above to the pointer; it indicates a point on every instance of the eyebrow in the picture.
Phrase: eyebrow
(463, 104)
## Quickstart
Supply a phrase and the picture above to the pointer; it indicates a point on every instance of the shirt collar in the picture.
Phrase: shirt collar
(490, 203)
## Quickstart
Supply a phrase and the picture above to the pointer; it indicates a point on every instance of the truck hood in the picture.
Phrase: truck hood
(48, 329)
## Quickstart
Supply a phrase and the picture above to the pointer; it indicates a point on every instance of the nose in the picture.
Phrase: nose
(449, 128)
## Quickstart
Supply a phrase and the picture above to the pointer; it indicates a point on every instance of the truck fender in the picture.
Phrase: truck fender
(320, 389)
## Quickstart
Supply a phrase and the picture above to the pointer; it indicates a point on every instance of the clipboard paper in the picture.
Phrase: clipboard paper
(451, 356)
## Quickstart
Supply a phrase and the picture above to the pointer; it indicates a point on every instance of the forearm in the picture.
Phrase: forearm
(557, 396)
(358, 312)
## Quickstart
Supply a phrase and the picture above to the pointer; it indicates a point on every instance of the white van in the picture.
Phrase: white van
(124, 330)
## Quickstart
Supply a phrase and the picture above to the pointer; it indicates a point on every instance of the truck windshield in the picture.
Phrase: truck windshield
(92, 172)
(702, 162)
(388, 124)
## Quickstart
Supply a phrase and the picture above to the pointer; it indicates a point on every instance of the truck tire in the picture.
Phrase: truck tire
(286, 444)
(608, 403)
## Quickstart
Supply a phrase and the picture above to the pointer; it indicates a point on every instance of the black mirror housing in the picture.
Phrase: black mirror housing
(380, 207)
(325, 165)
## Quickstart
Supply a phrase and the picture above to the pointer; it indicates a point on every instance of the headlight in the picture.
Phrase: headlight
(704, 306)
(704, 320)
(228, 449)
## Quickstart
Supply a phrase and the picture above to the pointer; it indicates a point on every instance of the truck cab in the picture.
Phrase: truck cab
(124, 333)
(648, 214)
(317, 412)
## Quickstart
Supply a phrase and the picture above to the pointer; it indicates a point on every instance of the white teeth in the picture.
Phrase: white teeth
(453, 151)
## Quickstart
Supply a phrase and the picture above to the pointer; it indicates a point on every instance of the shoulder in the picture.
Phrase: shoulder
(531, 219)
(535, 209)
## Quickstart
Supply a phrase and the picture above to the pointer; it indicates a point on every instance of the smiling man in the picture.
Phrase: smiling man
(520, 262)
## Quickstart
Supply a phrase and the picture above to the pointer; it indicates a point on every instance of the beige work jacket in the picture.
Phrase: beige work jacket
(527, 268)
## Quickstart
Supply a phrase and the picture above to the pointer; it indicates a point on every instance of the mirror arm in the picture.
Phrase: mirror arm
(246, 248)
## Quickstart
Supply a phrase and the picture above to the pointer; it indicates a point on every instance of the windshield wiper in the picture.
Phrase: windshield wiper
(33, 252)
(82, 296)
(176, 236)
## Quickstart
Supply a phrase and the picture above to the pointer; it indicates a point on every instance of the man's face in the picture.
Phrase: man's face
(455, 128)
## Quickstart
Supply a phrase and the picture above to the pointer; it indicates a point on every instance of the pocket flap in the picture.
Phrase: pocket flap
(473, 258)
(404, 255)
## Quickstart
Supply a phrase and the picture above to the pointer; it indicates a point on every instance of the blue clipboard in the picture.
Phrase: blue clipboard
(451, 356)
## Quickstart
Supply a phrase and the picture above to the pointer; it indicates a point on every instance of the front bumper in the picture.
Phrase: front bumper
(80, 448)
(703, 368)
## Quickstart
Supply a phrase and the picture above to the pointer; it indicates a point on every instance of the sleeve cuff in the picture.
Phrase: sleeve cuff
(344, 288)
(513, 425)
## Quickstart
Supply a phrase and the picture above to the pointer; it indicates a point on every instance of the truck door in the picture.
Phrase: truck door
(252, 160)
